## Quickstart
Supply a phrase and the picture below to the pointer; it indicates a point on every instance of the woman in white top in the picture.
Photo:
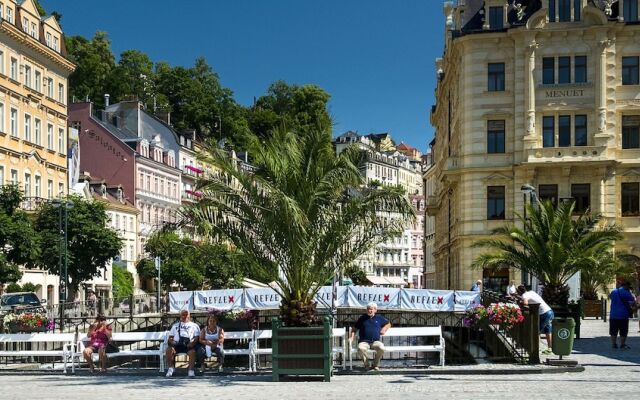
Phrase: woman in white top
(211, 339)
(511, 289)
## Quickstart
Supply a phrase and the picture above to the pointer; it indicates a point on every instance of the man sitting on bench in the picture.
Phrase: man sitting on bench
(183, 337)
(370, 327)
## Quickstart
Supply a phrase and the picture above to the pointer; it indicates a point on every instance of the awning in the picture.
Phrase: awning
(395, 280)
(377, 280)
(251, 284)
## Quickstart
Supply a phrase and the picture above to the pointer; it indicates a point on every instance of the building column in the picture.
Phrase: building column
(602, 96)
(531, 87)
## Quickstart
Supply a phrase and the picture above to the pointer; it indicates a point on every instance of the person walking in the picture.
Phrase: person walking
(622, 302)
(370, 328)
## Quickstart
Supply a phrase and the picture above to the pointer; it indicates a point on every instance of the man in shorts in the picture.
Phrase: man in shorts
(545, 313)
(621, 302)
(183, 337)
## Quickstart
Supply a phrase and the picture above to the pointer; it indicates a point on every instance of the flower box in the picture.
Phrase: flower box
(25, 322)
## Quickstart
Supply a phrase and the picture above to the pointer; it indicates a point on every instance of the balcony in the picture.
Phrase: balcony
(567, 154)
(30, 204)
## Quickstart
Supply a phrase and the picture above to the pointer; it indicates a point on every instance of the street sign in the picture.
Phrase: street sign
(157, 260)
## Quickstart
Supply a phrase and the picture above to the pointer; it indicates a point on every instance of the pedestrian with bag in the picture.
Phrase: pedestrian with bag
(183, 338)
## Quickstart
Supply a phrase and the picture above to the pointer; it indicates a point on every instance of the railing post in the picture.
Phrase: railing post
(131, 306)
(534, 334)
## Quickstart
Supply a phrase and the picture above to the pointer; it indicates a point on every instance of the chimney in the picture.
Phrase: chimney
(165, 117)
(106, 100)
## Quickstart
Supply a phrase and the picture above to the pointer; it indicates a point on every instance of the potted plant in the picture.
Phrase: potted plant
(505, 315)
(476, 318)
(305, 213)
(26, 322)
(603, 268)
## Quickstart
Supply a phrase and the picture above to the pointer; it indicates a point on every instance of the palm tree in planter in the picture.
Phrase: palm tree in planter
(301, 209)
(602, 269)
(553, 246)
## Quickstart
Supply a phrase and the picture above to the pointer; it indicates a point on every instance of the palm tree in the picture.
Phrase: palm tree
(303, 209)
(553, 246)
(602, 268)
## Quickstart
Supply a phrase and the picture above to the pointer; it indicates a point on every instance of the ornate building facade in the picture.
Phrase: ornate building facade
(538, 94)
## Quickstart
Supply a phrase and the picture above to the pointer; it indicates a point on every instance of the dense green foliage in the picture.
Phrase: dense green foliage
(91, 244)
(19, 243)
(553, 246)
(122, 282)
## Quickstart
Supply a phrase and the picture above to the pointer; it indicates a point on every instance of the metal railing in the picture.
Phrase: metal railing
(523, 340)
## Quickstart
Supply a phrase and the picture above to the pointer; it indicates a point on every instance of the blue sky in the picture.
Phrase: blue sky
(375, 57)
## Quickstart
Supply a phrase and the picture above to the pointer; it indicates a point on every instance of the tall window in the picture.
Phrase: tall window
(564, 10)
(1, 175)
(496, 17)
(2, 118)
(2, 62)
(495, 202)
(25, 24)
(27, 127)
(577, 10)
(27, 185)
(630, 70)
(27, 76)
(548, 132)
(552, 10)
(38, 132)
(14, 69)
(496, 77)
(61, 146)
(48, 39)
(548, 192)
(631, 131)
(49, 136)
(34, 32)
(581, 194)
(61, 189)
(580, 69)
(630, 198)
(13, 118)
(495, 136)
(10, 15)
(548, 71)
(37, 186)
(580, 130)
(630, 10)
(61, 93)
(50, 189)
(564, 130)
(55, 43)
(50, 87)
(564, 69)
(38, 81)
(14, 177)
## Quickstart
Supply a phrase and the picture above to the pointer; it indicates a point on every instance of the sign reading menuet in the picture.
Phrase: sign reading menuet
(343, 296)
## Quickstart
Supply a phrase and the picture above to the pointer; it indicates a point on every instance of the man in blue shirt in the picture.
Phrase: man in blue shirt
(370, 327)
(621, 302)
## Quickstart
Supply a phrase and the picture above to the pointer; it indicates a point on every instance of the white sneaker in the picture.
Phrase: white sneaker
(169, 373)
(192, 373)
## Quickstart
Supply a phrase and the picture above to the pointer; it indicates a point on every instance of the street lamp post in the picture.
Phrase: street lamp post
(63, 261)
(527, 189)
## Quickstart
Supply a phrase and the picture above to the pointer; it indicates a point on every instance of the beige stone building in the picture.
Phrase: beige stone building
(543, 93)
(33, 112)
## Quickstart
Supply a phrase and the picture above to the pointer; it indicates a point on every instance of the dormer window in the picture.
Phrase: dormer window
(25, 25)
(120, 194)
(10, 15)
(48, 39)
(34, 31)
(103, 190)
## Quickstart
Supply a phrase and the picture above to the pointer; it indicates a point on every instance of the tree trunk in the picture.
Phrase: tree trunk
(557, 295)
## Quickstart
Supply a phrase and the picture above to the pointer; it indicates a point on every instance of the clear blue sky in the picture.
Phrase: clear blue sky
(375, 57)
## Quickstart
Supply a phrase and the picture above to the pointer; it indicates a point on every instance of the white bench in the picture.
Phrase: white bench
(65, 340)
(116, 337)
(244, 338)
(414, 332)
(339, 346)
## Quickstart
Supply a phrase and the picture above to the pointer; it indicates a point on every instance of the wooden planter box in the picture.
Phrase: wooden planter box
(15, 328)
(302, 350)
(592, 308)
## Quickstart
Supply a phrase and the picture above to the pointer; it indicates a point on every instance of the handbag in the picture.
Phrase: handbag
(112, 348)
(626, 305)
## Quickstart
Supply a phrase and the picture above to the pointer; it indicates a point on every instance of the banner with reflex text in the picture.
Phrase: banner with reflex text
(179, 301)
(360, 296)
(225, 299)
(466, 300)
(427, 300)
(262, 299)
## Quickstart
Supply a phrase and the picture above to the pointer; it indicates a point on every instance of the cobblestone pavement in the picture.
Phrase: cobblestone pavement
(608, 373)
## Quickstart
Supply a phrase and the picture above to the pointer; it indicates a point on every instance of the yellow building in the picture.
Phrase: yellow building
(33, 108)
(538, 96)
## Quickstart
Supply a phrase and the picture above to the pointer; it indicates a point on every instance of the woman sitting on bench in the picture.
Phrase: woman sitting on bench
(99, 336)
(211, 339)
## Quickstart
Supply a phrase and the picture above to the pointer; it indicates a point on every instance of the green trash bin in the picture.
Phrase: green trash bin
(563, 333)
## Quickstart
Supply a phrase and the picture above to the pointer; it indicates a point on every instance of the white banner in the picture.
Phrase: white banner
(323, 297)
(426, 300)
(466, 300)
(226, 299)
(179, 301)
(261, 299)
(360, 296)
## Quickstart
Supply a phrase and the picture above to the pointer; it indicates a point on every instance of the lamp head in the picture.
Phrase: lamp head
(526, 188)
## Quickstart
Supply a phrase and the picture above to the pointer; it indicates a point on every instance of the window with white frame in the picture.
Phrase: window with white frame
(10, 14)
(1, 10)
(38, 78)
(50, 87)
(61, 189)
(14, 69)
(1, 62)
(2, 118)
(55, 43)
(37, 186)
(61, 93)
(48, 39)
(50, 189)
(61, 140)
(27, 184)
(14, 176)
(27, 127)
(49, 136)
(1, 175)
(27, 75)
(34, 31)
(25, 24)
(38, 132)
(13, 117)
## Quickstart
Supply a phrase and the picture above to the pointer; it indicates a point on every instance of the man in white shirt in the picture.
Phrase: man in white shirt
(183, 338)
(545, 313)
